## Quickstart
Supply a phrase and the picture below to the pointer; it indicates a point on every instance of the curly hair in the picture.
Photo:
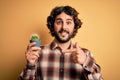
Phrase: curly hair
(69, 11)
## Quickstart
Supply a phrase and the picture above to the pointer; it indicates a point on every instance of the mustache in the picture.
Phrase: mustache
(63, 30)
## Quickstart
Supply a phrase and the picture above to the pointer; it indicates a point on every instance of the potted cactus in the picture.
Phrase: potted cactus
(35, 38)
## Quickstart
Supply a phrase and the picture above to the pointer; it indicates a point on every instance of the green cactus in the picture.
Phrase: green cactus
(35, 37)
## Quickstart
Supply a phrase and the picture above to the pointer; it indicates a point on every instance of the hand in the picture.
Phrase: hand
(32, 53)
(78, 54)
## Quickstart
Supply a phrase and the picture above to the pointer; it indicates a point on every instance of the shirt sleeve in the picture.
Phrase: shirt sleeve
(91, 66)
(28, 73)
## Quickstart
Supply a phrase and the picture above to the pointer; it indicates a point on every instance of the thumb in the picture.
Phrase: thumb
(76, 45)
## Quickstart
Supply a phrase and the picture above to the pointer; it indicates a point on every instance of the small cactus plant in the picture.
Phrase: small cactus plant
(34, 37)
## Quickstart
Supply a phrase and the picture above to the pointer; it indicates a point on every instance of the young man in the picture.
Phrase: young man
(61, 59)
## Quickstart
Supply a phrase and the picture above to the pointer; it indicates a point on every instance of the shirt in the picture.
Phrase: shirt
(55, 65)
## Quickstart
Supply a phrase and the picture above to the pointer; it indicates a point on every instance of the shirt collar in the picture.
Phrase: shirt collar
(54, 45)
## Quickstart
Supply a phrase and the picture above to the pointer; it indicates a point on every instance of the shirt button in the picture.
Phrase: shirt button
(61, 70)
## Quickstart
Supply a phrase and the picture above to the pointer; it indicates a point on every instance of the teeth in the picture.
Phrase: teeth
(63, 34)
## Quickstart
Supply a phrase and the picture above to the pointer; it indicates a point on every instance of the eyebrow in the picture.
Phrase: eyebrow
(61, 19)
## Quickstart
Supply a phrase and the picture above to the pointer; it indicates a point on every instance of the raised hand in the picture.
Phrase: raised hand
(78, 54)
(32, 53)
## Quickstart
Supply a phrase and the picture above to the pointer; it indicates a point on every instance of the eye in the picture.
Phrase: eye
(69, 22)
(59, 22)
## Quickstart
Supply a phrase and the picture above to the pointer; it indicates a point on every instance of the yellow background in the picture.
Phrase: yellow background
(100, 32)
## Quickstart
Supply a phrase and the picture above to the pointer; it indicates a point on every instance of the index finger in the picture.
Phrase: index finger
(69, 50)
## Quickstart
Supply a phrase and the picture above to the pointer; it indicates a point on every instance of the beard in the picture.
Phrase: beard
(59, 39)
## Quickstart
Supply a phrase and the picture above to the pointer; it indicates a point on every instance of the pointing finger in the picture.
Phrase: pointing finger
(76, 45)
(69, 50)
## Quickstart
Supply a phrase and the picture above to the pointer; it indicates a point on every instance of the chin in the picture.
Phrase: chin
(63, 39)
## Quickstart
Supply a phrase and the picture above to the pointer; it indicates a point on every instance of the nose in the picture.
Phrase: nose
(64, 26)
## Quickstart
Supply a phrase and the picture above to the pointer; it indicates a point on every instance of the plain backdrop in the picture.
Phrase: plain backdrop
(100, 32)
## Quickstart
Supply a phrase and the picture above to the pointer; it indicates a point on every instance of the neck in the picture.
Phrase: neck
(63, 46)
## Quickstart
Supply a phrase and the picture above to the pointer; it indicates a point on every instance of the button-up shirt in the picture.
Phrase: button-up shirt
(53, 64)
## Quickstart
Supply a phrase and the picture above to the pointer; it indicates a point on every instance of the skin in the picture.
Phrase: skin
(62, 21)
(32, 53)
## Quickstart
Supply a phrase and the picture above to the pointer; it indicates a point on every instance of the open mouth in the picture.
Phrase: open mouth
(63, 31)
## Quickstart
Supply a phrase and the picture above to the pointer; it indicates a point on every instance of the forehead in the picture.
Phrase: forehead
(64, 16)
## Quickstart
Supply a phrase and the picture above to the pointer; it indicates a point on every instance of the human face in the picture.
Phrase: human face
(63, 27)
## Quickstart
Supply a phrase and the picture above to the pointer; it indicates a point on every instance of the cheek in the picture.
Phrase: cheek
(56, 29)
(71, 29)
